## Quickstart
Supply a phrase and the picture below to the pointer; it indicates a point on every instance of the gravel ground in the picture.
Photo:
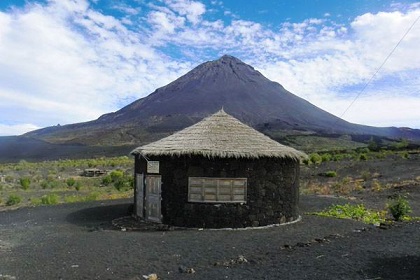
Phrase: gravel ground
(77, 241)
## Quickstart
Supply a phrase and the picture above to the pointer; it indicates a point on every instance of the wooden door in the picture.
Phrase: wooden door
(139, 195)
(153, 198)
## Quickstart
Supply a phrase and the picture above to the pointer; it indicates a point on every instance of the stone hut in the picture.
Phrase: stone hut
(217, 173)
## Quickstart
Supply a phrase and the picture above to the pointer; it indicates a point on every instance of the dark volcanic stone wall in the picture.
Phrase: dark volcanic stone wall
(272, 192)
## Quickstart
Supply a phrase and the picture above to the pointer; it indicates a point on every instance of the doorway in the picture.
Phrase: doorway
(148, 197)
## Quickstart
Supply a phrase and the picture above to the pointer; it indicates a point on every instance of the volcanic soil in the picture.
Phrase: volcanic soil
(79, 241)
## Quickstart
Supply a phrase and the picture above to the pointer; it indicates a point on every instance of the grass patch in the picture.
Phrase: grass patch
(13, 200)
(355, 212)
(50, 199)
(35, 201)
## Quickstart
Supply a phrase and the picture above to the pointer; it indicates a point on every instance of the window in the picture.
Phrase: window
(217, 190)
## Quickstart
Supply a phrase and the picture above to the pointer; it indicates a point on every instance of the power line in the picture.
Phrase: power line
(380, 67)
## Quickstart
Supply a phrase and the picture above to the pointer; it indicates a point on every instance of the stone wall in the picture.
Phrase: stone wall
(272, 193)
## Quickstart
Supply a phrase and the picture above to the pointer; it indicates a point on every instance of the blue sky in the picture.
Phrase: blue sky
(67, 61)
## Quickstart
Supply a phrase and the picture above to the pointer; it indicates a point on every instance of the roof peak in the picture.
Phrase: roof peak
(219, 135)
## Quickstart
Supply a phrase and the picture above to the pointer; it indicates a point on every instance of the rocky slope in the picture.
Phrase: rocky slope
(225, 83)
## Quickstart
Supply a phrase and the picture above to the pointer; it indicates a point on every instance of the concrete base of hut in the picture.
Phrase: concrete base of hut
(272, 191)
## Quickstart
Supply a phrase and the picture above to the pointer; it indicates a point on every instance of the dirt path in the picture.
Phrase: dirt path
(77, 241)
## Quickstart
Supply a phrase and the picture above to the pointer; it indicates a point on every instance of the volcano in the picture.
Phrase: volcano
(226, 83)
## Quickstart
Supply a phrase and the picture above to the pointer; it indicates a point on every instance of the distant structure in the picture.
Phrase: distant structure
(93, 172)
(217, 173)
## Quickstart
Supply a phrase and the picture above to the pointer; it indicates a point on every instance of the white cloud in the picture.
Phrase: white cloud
(8, 130)
(64, 62)
(379, 110)
(335, 63)
(72, 64)
(165, 23)
(192, 10)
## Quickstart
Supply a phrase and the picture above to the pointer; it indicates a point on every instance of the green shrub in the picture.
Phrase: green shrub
(399, 208)
(116, 175)
(315, 158)
(25, 182)
(363, 150)
(124, 184)
(49, 184)
(107, 180)
(78, 186)
(49, 199)
(326, 157)
(363, 157)
(403, 144)
(70, 182)
(13, 200)
(331, 173)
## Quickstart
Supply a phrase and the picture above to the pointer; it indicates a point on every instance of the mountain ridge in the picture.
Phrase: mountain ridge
(226, 83)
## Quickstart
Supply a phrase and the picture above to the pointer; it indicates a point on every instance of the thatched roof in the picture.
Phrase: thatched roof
(219, 135)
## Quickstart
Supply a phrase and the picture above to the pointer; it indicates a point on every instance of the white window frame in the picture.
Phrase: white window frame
(217, 190)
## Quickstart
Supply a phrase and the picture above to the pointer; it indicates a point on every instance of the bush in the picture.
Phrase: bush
(49, 199)
(326, 157)
(13, 200)
(49, 184)
(401, 145)
(331, 174)
(70, 182)
(124, 184)
(399, 208)
(315, 158)
(78, 186)
(107, 180)
(25, 182)
(363, 150)
(116, 175)
(363, 157)
(121, 181)
(338, 157)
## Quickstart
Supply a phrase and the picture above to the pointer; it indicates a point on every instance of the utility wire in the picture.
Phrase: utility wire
(376, 72)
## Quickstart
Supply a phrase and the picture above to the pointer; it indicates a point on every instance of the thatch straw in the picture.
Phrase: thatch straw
(219, 135)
